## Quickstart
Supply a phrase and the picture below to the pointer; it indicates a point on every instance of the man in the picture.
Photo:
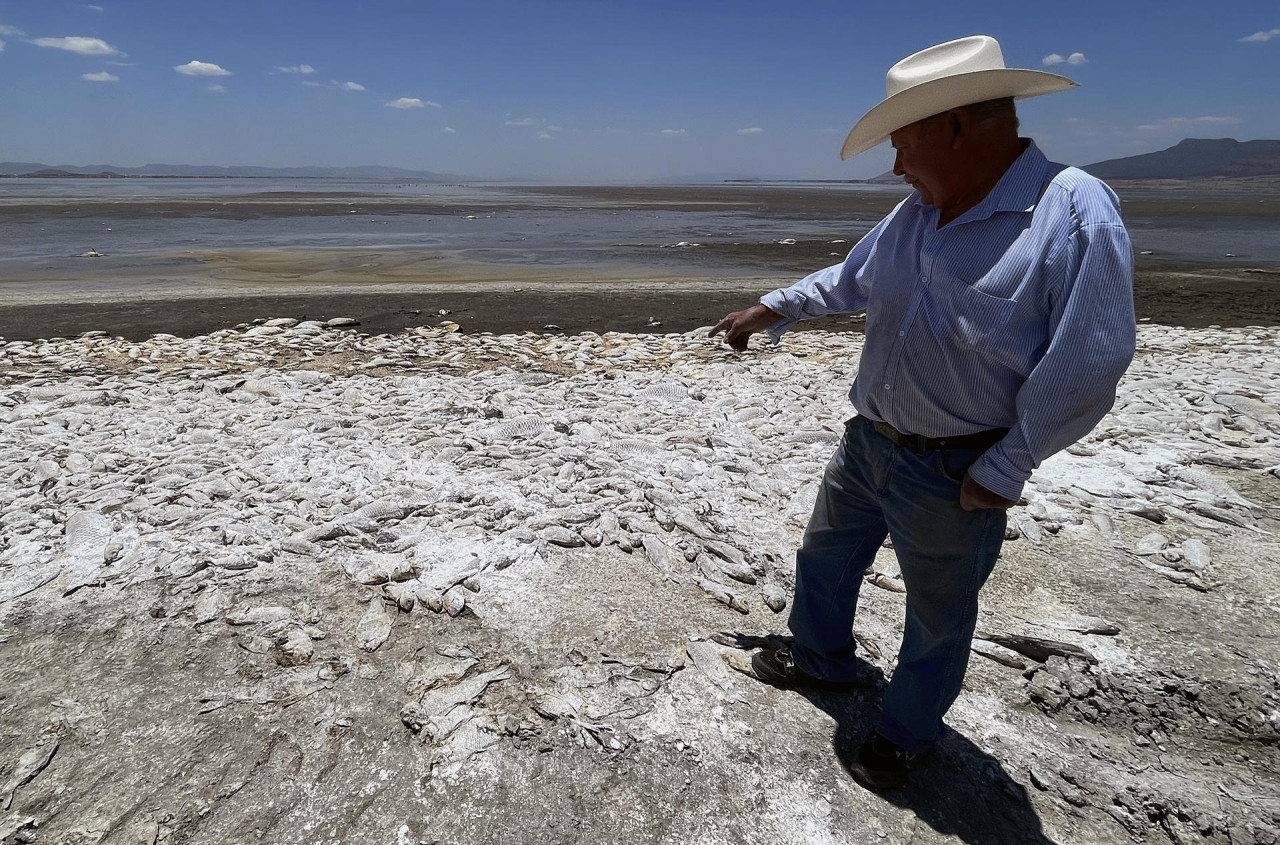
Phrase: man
(999, 302)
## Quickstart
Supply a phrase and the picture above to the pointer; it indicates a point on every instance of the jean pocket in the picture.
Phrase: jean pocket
(954, 463)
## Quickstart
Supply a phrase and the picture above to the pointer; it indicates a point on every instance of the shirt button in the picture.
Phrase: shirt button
(902, 334)
(888, 387)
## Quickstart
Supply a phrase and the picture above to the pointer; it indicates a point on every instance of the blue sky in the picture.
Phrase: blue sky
(595, 91)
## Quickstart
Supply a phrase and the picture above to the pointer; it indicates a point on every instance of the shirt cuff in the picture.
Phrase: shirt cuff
(999, 476)
(777, 303)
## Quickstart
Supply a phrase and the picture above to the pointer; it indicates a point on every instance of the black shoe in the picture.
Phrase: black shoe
(775, 666)
(882, 764)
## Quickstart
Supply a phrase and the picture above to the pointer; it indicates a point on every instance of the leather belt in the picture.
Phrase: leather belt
(921, 445)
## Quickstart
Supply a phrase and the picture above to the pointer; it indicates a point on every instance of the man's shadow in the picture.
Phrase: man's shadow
(959, 790)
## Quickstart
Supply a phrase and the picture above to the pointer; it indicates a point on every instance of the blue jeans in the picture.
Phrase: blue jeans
(871, 489)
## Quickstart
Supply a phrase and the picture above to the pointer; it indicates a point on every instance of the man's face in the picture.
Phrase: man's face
(925, 158)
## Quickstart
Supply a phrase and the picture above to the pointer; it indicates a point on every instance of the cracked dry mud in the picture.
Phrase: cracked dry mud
(295, 584)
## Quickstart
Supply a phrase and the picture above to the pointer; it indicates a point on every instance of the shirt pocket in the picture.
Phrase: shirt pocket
(969, 317)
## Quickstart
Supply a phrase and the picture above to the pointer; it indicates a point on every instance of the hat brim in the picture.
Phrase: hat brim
(930, 98)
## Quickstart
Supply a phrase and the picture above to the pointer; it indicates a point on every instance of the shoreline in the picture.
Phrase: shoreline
(495, 299)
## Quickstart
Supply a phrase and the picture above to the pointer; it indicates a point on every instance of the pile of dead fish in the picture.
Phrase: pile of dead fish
(430, 459)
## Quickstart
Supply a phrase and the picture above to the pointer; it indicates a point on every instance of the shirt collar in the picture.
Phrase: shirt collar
(1021, 186)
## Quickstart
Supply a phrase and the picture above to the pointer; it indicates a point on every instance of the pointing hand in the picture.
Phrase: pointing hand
(740, 325)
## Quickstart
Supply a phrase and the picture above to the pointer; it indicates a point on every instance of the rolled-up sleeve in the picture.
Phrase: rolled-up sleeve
(1092, 339)
(838, 289)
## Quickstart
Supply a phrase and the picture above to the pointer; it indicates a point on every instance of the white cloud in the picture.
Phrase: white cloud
(524, 121)
(218, 89)
(5, 29)
(1, 46)
(79, 44)
(295, 68)
(1265, 35)
(750, 130)
(555, 128)
(406, 103)
(201, 69)
(1059, 59)
(100, 77)
(448, 130)
(543, 136)
(94, 8)
(349, 86)
(311, 83)
(674, 132)
(1175, 123)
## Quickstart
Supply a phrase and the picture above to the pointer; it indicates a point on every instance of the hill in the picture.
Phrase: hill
(1196, 158)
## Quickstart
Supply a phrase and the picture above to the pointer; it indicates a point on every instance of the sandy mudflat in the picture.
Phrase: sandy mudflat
(388, 292)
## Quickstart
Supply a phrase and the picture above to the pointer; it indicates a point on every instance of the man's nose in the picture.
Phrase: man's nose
(897, 165)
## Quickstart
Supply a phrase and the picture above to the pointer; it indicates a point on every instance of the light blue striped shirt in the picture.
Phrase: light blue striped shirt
(1018, 314)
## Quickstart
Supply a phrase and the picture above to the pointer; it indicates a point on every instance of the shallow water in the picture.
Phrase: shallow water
(46, 224)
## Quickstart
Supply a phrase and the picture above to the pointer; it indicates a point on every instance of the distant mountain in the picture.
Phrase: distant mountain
(1196, 157)
(20, 168)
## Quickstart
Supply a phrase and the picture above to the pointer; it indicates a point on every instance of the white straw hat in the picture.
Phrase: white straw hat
(946, 76)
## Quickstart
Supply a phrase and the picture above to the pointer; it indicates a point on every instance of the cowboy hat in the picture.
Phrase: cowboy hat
(946, 76)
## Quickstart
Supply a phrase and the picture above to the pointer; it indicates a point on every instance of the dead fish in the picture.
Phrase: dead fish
(260, 615)
(22, 579)
(1151, 544)
(32, 762)
(775, 598)
(455, 600)
(709, 658)
(1223, 515)
(559, 535)
(210, 605)
(1036, 648)
(724, 595)
(1209, 482)
(659, 554)
(84, 563)
(46, 474)
(296, 650)
(1195, 554)
(374, 627)
(1246, 406)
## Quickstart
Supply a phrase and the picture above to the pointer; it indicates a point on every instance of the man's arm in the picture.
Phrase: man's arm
(1092, 341)
(838, 289)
